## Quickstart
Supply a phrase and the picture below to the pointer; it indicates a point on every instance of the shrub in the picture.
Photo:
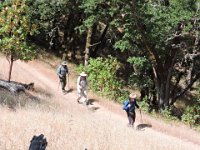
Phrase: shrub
(192, 113)
(144, 105)
(190, 116)
(103, 79)
(166, 113)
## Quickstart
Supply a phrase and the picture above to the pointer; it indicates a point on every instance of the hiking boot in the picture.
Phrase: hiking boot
(86, 102)
(128, 125)
(78, 101)
(132, 126)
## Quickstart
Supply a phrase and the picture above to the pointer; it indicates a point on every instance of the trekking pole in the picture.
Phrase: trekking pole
(141, 117)
(68, 81)
(58, 84)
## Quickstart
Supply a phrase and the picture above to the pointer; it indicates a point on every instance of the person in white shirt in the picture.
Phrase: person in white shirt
(82, 87)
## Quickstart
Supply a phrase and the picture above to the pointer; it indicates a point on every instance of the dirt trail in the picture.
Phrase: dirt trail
(98, 126)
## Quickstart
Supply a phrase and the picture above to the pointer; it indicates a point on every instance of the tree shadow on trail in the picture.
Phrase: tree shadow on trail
(142, 126)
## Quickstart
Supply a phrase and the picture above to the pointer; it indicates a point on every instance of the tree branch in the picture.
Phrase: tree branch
(187, 87)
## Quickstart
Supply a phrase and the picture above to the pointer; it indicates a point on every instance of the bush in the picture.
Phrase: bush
(167, 113)
(191, 114)
(102, 77)
(144, 105)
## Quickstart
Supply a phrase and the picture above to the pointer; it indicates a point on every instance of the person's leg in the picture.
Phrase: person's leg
(79, 94)
(64, 83)
(85, 96)
(129, 118)
(132, 119)
(134, 116)
(78, 99)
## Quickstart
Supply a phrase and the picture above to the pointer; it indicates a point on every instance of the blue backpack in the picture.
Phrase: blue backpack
(126, 103)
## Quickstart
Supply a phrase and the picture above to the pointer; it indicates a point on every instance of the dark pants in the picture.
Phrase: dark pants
(63, 82)
(131, 117)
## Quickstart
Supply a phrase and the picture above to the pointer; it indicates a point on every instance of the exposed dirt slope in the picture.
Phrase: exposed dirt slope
(68, 125)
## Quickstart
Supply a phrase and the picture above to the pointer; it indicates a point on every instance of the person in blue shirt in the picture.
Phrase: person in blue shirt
(129, 106)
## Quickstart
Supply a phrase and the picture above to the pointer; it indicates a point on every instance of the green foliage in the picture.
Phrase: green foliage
(57, 21)
(93, 13)
(192, 113)
(123, 45)
(140, 77)
(166, 113)
(144, 105)
(102, 77)
(190, 116)
(47, 13)
(15, 27)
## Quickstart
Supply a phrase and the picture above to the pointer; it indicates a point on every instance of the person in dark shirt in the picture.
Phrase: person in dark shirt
(129, 106)
(62, 72)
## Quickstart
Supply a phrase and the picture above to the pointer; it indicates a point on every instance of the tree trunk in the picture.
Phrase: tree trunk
(161, 95)
(101, 39)
(87, 47)
(10, 68)
(163, 88)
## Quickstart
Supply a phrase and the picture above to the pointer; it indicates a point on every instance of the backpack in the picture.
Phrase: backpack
(125, 105)
(38, 143)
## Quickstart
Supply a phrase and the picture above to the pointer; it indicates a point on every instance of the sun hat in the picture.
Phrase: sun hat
(83, 74)
(64, 63)
(132, 95)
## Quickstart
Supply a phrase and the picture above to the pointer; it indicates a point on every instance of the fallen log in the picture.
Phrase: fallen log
(15, 87)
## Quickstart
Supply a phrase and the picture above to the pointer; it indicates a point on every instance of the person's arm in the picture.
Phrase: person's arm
(58, 71)
(78, 83)
(67, 81)
(67, 70)
(86, 86)
(137, 105)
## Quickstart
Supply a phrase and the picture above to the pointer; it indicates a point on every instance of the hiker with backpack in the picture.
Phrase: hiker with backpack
(62, 73)
(129, 106)
(82, 87)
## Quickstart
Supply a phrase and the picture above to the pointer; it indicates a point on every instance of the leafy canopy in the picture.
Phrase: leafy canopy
(15, 27)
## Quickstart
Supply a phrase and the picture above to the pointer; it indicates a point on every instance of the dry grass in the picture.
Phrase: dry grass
(78, 130)
(68, 125)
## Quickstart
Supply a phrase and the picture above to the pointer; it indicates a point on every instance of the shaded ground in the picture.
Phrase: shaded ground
(68, 125)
